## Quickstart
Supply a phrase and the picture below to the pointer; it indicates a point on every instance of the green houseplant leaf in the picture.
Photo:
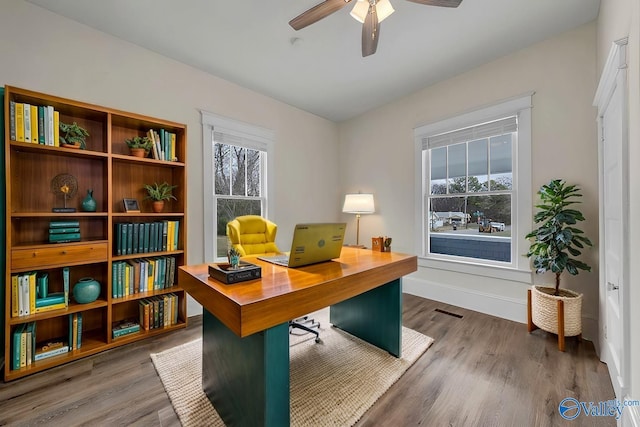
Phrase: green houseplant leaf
(158, 192)
(139, 142)
(556, 240)
(73, 134)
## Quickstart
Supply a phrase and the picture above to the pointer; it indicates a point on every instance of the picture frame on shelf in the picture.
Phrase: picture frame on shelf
(131, 205)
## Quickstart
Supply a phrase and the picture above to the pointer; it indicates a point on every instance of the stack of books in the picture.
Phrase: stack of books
(64, 231)
(125, 327)
(30, 293)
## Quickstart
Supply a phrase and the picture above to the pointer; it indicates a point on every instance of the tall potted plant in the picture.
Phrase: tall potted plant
(556, 243)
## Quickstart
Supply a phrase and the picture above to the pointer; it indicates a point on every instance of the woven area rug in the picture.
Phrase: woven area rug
(332, 383)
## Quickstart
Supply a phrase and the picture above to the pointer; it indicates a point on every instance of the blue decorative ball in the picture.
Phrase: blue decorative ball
(86, 290)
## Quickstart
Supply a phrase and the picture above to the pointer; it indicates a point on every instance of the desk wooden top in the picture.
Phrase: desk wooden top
(284, 293)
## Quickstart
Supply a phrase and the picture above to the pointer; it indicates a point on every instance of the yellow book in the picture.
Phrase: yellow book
(56, 128)
(32, 292)
(23, 347)
(75, 331)
(152, 271)
(127, 280)
(173, 148)
(50, 307)
(15, 301)
(19, 121)
(34, 124)
(170, 231)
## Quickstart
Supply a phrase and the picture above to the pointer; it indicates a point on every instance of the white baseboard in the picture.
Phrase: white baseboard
(494, 305)
(630, 415)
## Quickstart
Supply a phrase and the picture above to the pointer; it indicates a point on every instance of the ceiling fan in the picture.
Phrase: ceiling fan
(369, 12)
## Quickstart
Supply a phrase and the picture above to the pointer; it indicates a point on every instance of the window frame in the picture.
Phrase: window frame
(253, 137)
(521, 193)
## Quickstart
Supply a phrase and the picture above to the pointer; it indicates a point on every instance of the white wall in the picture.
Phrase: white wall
(618, 19)
(377, 154)
(45, 52)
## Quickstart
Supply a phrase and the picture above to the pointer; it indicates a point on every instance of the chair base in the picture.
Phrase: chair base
(302, 323)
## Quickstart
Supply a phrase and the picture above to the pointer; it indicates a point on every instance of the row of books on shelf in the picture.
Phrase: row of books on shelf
(37, 124)
(64, 231)
(30, 293)
(142, 275)
(156, 312)
(144, 237)
(26, 350)
(164, 144)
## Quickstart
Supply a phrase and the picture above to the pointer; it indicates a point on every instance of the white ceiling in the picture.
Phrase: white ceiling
(320, 68)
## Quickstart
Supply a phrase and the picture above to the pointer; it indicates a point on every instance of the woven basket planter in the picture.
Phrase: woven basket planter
(544, 310)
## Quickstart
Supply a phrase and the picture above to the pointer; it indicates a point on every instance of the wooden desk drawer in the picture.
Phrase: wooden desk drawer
(58, 255)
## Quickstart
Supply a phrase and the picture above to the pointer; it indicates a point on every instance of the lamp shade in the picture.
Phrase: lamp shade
(358, 204)
(361, 8)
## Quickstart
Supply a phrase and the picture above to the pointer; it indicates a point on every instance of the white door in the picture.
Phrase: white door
(614, 216)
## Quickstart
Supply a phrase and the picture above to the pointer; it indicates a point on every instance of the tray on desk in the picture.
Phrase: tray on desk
(224, 273)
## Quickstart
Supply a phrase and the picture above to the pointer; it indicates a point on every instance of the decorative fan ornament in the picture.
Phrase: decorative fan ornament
(64, 185)
(370, 12)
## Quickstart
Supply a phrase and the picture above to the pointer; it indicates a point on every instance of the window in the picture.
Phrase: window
(474, 183)
(235, 163)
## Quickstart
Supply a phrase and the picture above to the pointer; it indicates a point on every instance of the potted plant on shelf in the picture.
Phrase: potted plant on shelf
(556, 243)
(73, 136)
(159, 193)
(139, 145)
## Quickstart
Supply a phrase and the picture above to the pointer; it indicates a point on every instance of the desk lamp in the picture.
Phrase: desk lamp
(358, 204)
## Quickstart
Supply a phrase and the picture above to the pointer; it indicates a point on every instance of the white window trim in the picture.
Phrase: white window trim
(519, 269)
(264, 140)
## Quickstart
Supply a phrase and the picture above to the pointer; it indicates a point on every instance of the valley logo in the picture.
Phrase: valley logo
(571, 408)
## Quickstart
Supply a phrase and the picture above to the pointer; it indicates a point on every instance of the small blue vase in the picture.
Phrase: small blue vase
(89, 203)
(86, 290)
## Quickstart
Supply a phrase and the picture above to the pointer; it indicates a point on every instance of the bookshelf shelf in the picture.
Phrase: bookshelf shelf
(107, 170)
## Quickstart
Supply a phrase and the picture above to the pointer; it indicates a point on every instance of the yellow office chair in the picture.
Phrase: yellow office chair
(254, 235)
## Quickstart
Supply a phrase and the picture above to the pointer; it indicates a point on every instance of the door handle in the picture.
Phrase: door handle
(612, 287)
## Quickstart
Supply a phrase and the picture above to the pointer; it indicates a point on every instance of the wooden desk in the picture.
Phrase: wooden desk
(245, 325)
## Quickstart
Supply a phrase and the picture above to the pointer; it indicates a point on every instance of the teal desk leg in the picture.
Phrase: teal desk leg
(374, 316)
(246, 379)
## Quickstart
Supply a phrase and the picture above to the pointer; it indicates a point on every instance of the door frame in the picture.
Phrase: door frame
(614, 74)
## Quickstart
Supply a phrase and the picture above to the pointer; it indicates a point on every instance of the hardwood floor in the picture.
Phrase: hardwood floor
(480, 371)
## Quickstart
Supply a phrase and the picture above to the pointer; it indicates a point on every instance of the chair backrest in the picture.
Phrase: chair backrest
(252, 235)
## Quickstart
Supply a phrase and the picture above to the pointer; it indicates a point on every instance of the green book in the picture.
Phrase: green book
(135, 238)
(65, 280)
(64, 224)
(118, 239)
(140, 241)
(79, 330)
(65, 237)
(124, 236)
(64, 230)
(114, 279)
(165, 232)
(129, 238)
(17, 344)
(51, 299)
(147, 231)
(42, 284)
(41, 139)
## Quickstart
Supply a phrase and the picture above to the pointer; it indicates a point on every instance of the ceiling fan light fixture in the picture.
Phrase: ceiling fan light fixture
(361, 8)
(384, 9)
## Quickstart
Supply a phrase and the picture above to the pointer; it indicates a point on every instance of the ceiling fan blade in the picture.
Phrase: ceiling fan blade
(370, 32)
(317, 12)
(442, 3)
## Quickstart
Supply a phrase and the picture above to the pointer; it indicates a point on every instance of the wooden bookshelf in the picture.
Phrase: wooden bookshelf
(105, 167)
